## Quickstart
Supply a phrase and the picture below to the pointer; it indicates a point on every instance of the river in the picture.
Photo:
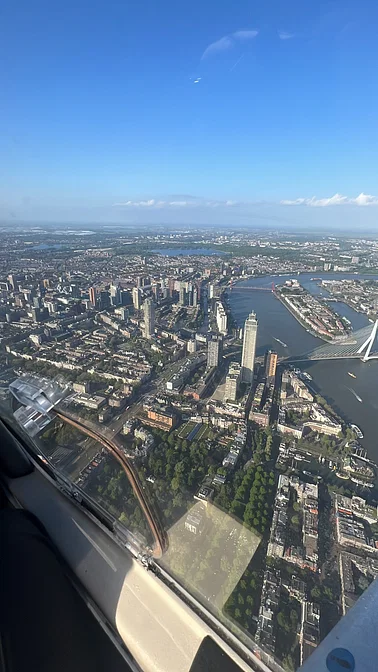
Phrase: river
(330, 378)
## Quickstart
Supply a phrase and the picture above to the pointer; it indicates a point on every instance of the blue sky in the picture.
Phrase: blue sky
(190, 112)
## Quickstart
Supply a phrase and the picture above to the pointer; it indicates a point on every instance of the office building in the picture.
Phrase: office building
(136, 298)
(221, 318)
(149, 318)
(13, 282)
(195, 296)
(104, 300)
(93, 295)
(52, 306)
(270, 364)
(214, 351)
(75, 290)
(249, 348)
(171, 286)
(115, 295)
(126, 298)
(124, 312)
(39, 314)
(182, 300)
(156, 292)
(192, 345)
(232, 382)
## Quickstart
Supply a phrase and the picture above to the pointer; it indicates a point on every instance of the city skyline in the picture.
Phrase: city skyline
(235, 488)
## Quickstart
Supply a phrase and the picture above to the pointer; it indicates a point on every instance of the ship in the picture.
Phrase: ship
(364, 484)
(357, 431)
(351, 375)
(355, 394)
(303, 375)
(280, 342)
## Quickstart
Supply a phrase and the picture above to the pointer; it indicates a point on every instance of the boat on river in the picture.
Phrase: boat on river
(341, 475)
(357, 431)
(351, 375)
(354, 394)
(364, 484)
(280, 342)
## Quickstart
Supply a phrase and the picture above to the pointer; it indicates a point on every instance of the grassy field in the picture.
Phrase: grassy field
(186, 429)
(203, 432)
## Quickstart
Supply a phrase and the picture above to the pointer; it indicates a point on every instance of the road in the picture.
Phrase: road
(150, 388)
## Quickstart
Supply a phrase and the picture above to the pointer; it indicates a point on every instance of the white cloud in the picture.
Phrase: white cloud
(366, 199)
(297, 201)
(138, 204)
(216, 47)
(284, 35)
(188, 202)
(181, 202)
(245, 34)
(337, 199)
(228, 42)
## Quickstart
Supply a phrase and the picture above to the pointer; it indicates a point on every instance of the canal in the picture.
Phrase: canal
(330, 378)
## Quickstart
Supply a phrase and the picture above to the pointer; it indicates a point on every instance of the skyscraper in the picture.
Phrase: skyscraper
(232, 382)
(136, 298)
(149, 318)
(182, 295)
(126, 298)
(221, 317)
(75, 290)
(13, 282)
(195, 296)
(249, 348)
(270, 364)
(104, 300)
(93, 295)
(214, 351)
(115, 295)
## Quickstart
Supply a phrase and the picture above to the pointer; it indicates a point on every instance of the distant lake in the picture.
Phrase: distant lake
(188, 251)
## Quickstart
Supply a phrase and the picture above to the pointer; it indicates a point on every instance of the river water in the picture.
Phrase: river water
(330, 378)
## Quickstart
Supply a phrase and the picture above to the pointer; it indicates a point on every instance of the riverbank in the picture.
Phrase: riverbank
(299, 320)
(331, 379)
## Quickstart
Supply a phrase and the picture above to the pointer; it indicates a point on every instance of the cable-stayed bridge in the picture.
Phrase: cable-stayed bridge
(361, 344)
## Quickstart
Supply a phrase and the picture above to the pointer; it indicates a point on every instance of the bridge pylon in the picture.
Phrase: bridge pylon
(368, 344)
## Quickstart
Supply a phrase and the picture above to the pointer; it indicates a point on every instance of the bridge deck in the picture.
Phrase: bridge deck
(346, 349)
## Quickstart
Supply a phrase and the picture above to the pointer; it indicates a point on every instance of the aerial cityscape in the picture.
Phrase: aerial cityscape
(189, 329)
(233, 375)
